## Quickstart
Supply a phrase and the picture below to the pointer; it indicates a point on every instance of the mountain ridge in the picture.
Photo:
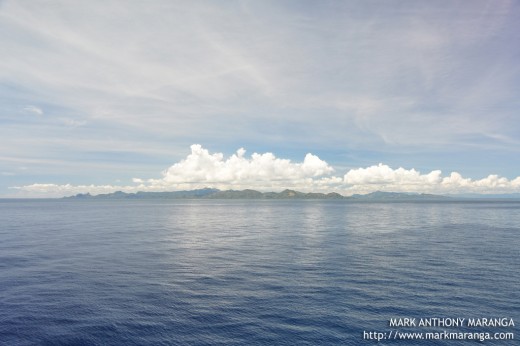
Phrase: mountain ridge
(209, 193)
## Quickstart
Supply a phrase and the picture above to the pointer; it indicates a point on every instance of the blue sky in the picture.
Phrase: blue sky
(395, 95)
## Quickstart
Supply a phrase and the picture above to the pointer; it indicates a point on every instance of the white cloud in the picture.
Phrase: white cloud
(57, 190)
(33, 110)
(262, 171)
(266, 172)
(354, 72)
(73, 122)
(383, 177)
(383, 174)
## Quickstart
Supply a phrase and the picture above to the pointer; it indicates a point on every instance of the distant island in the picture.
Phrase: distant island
(209, 193)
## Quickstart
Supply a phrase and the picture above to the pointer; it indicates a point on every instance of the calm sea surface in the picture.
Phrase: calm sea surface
(252, 272)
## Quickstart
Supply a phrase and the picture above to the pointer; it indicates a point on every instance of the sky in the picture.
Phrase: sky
(345, 96)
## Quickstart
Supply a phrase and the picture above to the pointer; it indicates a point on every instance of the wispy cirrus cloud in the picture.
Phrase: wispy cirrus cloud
(387, 77)
(32, 110)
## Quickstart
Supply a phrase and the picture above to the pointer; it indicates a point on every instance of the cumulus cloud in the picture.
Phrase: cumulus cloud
(266, 172)
(260, 171)
(383, 174)
(383, 177)
(201, 165)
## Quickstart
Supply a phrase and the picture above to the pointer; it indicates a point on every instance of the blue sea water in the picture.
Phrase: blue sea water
(251, 272)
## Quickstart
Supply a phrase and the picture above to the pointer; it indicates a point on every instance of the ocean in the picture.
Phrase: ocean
(257, 272)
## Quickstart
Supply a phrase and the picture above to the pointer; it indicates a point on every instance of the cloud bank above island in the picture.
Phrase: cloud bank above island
(266, 172)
